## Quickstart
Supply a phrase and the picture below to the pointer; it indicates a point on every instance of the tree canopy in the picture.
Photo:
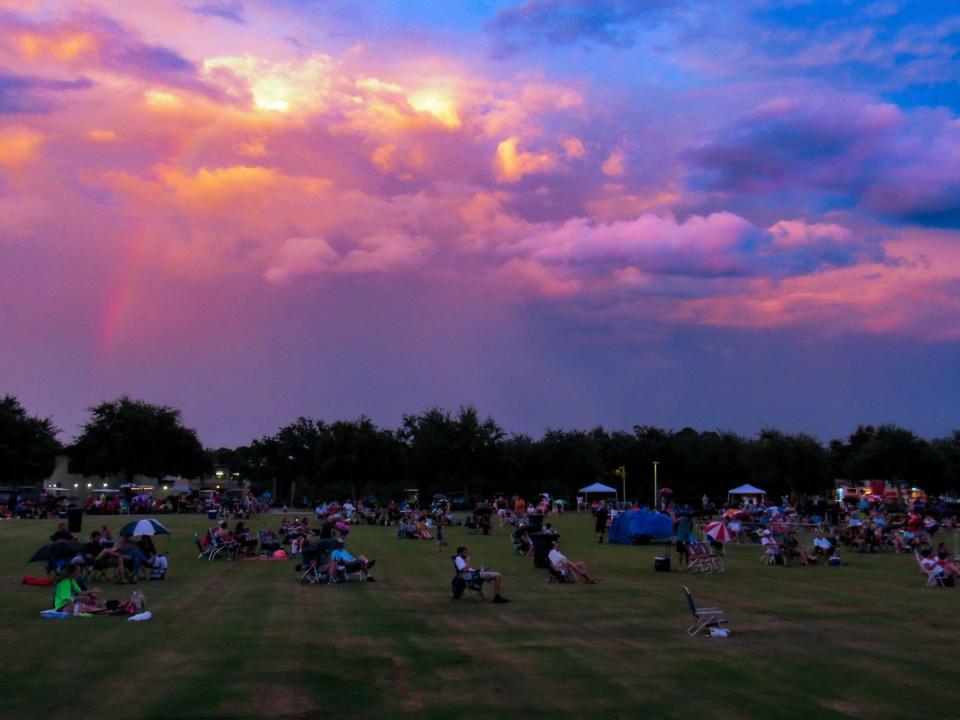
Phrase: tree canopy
(439, 451)
(28, 445)
(130, 437)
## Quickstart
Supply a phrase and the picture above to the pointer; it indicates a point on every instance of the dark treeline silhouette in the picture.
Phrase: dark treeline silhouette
(439, 451)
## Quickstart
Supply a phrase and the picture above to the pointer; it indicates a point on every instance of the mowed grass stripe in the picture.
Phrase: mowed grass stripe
(244, 640)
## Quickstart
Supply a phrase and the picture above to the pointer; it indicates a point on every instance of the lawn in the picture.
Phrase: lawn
(243, 640)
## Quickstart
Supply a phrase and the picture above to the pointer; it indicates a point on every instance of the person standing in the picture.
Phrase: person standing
(601, 514)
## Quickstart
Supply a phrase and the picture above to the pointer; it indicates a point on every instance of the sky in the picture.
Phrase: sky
(566, 213)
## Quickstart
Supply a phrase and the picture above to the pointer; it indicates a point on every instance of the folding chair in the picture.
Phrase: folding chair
(703, 617)
(716, 560)
(699, 560)
(99, 571)
(771, 555)
(471, 580)
(934, 578)
(219, 547)
(205, 552)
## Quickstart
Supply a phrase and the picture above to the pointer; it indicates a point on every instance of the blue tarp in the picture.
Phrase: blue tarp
(627, 526)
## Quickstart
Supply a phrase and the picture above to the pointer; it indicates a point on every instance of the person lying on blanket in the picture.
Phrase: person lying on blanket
(70, 598)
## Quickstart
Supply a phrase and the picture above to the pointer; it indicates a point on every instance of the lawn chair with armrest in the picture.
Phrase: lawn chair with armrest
(466, 580)
(704, 617)
(934, 576)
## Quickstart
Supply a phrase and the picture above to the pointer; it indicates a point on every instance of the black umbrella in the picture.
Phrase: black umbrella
(483, 510)
(439, 496)
(56, 550)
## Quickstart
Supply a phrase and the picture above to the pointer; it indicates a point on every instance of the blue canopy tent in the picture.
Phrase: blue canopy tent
(598, 488)
(633, 525)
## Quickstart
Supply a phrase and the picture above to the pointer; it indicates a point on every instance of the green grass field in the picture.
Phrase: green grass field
(243, 640)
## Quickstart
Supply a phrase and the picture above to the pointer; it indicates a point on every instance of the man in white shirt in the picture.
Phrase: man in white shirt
(821, 545)
(576, 570)
(462, 561)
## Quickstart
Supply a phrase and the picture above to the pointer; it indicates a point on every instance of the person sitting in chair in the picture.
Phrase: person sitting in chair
(575, 570)
(353, 564)
(462, 561)
(94, 552)
(793, 550)
(269, 542)
(132, 553)
(524, 542)
(822, 545)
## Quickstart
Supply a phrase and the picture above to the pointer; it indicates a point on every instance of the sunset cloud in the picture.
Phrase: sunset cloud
(553, 174)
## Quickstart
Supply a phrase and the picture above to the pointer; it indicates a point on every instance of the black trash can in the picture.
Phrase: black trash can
(75, 520)
(542, 545)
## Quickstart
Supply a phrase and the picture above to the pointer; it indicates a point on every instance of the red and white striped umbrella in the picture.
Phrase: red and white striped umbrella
(719, 532)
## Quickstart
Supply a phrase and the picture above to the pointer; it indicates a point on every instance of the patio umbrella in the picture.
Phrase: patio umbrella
(719, 532)
(666, 491)
(147, 526)
(56, 550)
(181, 490)
(561, 502)
(439, 496)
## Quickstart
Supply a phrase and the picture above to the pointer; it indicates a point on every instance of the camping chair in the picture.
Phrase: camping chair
(99, 571)
(205, 552)
(466, 580)
(518, 545)
(772, 555)
(266, 548)
(703, 617)
(699, 561)
(219, 547)
(558, 576)
(311, 568)
(934, 578)
(715, 559)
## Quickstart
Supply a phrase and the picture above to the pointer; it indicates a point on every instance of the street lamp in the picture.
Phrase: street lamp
(655, 488)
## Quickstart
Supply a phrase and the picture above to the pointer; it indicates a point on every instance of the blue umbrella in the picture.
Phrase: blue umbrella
(148, 526)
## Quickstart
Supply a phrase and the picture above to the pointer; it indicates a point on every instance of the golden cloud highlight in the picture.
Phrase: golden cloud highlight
(19, 146)
(511, 164)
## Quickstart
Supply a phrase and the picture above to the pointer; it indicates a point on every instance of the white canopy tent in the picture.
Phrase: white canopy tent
(598, 488)
(746, 490)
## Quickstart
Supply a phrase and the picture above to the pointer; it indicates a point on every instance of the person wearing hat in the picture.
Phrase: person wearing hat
(770, 546)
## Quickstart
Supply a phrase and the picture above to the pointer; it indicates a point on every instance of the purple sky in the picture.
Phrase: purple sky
(565, 213)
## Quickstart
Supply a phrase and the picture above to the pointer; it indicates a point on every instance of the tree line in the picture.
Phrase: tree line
(442, 451)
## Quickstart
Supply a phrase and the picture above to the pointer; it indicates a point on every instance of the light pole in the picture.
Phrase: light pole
(655, 489)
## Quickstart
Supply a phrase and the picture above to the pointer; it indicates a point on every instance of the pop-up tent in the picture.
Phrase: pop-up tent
(635, 526)
(747, 489)
(597, 488)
